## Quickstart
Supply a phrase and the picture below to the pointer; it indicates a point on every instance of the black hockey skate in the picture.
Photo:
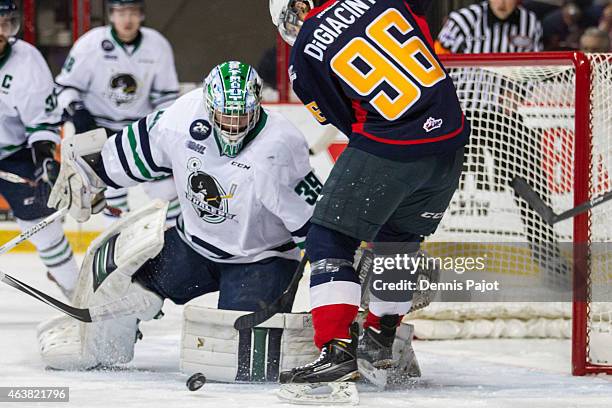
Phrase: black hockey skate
(336, 367)
(375, 354)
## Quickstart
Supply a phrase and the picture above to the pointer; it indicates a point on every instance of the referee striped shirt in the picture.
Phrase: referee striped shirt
(475, 29)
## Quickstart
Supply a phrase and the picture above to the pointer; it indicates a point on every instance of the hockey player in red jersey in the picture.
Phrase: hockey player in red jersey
(368, 68)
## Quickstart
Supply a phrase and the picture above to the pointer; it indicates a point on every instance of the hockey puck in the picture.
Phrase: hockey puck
(196, 381)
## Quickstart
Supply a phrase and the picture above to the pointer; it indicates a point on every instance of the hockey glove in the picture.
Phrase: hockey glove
(78, 187)
(82, 119)
(46, 168)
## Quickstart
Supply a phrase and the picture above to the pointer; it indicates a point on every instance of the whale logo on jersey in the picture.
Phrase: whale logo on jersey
(200, 130)
(123, 89)
(207, 196)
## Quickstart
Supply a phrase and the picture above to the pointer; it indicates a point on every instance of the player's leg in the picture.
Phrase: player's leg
(178, 273)
(360, 195)
(165, 190)
(253, 286)
(415, 218)
(29, 205)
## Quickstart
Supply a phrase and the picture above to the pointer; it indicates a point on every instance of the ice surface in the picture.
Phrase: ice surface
(467, 373)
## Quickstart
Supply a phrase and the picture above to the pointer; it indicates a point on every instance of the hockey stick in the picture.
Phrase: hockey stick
(524, 190)
(34, 229)
(248, 321)
(324, 140)
(364, 269)
(14, 178)
(124, 306)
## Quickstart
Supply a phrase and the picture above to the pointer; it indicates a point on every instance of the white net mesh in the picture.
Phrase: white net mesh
(523, 124)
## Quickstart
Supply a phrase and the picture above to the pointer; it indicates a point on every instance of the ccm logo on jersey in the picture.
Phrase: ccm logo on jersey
(200, 129)
(241, 165)
(432, 216)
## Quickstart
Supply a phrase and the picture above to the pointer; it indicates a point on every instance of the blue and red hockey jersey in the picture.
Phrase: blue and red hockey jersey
(368, 68)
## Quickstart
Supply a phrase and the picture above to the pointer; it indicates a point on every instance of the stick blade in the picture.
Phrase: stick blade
(524, 190)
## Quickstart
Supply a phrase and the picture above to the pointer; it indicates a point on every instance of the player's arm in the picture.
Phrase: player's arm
(91, 162)
(72, 83)
(38, 112)
(538, 44)
(451, 38)
(320, 95)
(165, 87)
(289, 189)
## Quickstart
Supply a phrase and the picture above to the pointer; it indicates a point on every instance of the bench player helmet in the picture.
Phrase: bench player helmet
(117, 4)
(232, 93)
(10, 18)
(288, 16)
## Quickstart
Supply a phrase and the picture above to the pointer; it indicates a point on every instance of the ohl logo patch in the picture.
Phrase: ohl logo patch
(206, 194)
(200, 130)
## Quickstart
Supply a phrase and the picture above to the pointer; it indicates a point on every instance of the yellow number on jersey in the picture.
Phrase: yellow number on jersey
(382, 69)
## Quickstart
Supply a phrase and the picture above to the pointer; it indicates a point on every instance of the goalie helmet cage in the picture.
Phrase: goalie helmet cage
(555, 104)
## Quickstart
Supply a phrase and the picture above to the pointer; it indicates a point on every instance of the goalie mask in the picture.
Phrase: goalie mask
(288, 16)
(10, 19)
(232, 93)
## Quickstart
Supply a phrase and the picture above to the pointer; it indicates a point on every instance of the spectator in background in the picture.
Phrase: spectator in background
(605, 23)
(564, 26)
(595, 40)
(490, 26)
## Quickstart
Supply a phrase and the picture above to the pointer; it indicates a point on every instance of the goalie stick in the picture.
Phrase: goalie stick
(524, 190)
(248, 321)
(124, 306)
(15, 179)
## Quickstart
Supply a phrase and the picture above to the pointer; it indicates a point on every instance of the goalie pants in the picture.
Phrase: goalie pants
(180, 274)
(368, 198)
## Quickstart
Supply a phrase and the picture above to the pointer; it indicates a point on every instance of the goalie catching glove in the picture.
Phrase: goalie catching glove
(78, 187)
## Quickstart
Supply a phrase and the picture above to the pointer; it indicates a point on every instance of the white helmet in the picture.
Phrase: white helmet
(286, 17)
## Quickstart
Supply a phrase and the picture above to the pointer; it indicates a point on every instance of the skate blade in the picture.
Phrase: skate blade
(377, 376)
(341, 393)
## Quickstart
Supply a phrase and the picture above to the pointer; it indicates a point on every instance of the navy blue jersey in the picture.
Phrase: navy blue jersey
(368, 68)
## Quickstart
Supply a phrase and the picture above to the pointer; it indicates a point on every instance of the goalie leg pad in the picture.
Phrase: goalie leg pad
(106, 275)
(211, 345)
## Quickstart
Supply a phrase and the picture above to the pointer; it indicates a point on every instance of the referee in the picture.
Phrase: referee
(491, 26)
(502, 26)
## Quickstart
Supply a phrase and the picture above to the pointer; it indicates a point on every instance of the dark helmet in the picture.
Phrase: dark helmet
(116, 3)
(8, 8)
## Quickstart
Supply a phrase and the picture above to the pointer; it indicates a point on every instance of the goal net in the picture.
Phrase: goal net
(547, 118)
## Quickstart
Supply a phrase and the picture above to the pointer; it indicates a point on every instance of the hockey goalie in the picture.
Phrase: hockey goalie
(246, 191)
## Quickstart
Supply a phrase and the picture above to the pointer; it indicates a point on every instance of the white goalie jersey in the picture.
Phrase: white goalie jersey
(27, 102)
(119, 83)
(239, 210)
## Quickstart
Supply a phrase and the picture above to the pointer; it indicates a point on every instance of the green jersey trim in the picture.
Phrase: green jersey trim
(6, 54)
(136, 43)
